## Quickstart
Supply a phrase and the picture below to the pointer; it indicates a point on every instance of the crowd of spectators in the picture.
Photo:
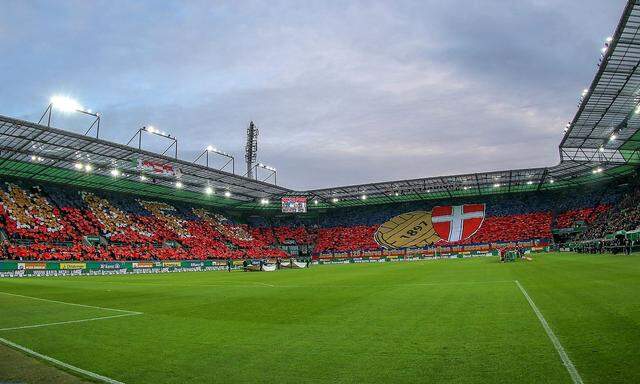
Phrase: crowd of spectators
(624, 216)
(51, 223)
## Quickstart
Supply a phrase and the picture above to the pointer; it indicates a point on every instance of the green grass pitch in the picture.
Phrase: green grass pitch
(455, 321)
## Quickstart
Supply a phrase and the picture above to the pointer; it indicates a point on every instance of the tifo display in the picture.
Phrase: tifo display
(46, 222)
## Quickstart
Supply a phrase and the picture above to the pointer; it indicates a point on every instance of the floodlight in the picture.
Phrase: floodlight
(227, 194)
(115, 172)
(65, 104)
(315, 202)
(143, 178)
(496, 185)
(363, 197)
(335, 200)
(77, 165)
(613, 137)
(179, 184)
(208, 190)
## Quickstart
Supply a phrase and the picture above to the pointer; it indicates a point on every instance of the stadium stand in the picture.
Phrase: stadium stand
(624, 216)
(47, 222)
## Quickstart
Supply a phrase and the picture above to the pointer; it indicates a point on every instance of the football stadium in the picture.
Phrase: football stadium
(122, 264)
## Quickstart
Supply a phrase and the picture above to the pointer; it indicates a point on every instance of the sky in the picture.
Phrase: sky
(342, 92)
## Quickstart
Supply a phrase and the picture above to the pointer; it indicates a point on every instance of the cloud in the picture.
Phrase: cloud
(342, 93)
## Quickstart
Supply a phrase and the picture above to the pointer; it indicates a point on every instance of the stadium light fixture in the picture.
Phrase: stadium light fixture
(211, 148)
(496, 185)
(36, 158)
(143, 178)
(465, 187)
(601, 149)
(551, 181)
(208, 190)
(154, 131)
(363, 197)
(227, 194)
(396, 193)
(315, 202)
(613, 137)
(66, 104)
(179, 184)
(335, 200)
(609, 39)
(264, 201)
(529, 182)
(115, 172)
(78, 166)
(88, 167)
(274, 172)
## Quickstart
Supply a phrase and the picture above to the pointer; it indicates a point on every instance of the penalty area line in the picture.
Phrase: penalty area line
(568, 364)
(59, 363)
(74, 304)
(69, 322)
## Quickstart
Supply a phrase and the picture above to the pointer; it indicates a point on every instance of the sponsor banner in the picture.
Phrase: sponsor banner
(193, 264)
(106, 265)
(34, 265)
(73, 265)
(142, 264)
(171, 264)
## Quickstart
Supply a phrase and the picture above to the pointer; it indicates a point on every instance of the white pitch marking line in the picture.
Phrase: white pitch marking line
(62, 364)
(74, 304)
(265, 284)
(68, 322)
(573, 372)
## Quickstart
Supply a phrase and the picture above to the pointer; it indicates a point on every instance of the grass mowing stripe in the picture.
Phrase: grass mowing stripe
(69, 322)
(573, 372)
(74, 304)
(59, 363)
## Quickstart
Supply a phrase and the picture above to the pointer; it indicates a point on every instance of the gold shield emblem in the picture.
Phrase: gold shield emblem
(412, 229)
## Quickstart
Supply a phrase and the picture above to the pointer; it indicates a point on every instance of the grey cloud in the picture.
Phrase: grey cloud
(343, 93)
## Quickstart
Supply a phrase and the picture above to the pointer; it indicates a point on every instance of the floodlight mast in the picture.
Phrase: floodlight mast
(251, 148)
(154, 131)
(66, 104)
(216, 151)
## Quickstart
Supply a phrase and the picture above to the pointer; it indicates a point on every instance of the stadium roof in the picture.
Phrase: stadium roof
(38, 152)
(601, 142)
